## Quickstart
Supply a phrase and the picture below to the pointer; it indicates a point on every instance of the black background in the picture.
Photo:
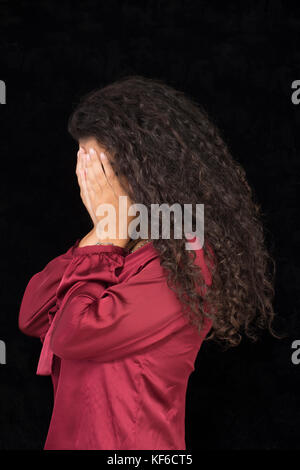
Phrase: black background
(239, 60)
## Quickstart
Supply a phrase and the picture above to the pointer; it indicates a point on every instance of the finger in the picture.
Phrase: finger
(109, 172)
(78, 164)
(90, 184)
(86, 193)
(97, 167)
(78, 170)
(82, 179)
(90, 192)
(110, 175)
(101, 166)
(80, 173)
(83, 167)
(91, 176)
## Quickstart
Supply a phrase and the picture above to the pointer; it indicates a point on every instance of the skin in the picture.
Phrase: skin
(99, 185)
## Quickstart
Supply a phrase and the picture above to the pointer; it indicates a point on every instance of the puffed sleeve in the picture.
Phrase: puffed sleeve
(103, 319)
(39, 299)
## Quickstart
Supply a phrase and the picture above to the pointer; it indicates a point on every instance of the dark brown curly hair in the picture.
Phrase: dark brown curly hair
(169, 151)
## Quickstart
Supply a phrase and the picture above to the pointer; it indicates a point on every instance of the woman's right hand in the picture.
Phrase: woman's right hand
(84, 194)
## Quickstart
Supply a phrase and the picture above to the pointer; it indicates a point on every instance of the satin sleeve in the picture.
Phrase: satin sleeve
(38, 304)
(102, 319)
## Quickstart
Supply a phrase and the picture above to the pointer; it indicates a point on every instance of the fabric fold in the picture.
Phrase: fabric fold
(46, 356)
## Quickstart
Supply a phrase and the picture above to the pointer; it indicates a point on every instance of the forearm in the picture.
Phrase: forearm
(40, 295)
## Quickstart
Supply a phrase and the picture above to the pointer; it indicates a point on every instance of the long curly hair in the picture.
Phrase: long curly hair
(169, 151)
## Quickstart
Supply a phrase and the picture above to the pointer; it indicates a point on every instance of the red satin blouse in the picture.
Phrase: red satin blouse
(118, 348)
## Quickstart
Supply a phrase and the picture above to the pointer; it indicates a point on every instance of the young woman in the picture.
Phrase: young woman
(121, 319)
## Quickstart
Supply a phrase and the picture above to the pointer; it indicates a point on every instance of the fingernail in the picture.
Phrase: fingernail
(88, 157)
(102, 156)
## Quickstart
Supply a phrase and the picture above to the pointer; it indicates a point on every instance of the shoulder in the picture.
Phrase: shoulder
(147, 261)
